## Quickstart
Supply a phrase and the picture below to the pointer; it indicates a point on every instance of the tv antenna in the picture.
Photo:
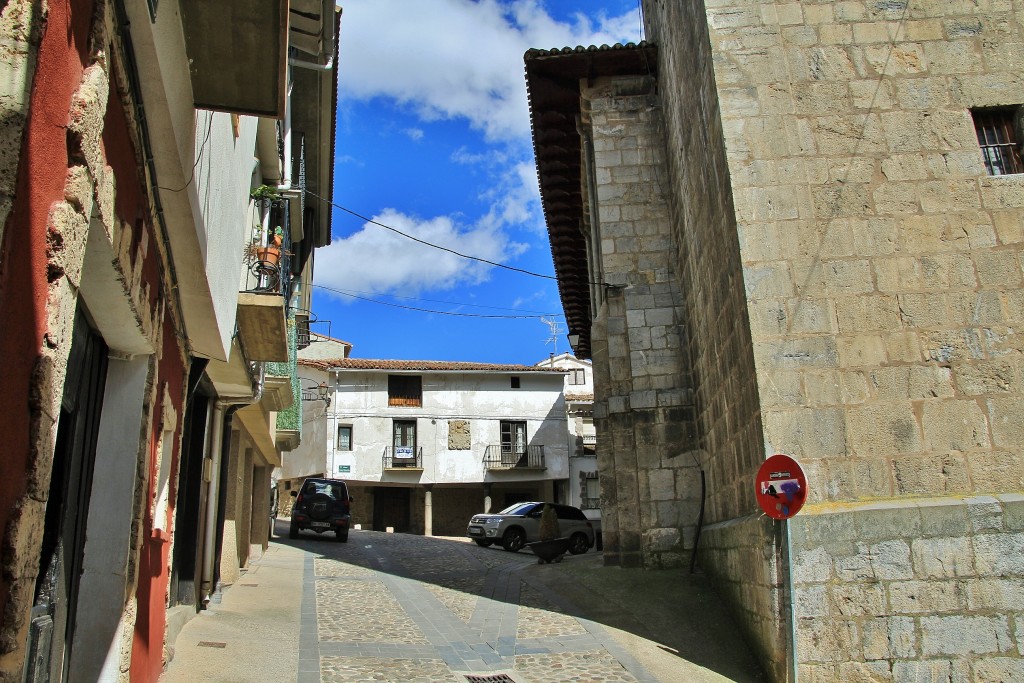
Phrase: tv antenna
(555, 330)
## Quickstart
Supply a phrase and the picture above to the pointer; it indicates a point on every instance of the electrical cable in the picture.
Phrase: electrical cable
(437, 246)
(351, 292)
(199, 157)
(427, 310)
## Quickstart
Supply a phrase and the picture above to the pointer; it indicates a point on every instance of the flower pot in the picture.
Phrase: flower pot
(270, 256)
(549, 551)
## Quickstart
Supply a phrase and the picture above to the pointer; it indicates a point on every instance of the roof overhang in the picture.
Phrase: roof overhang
(238, 54)
(553, 81)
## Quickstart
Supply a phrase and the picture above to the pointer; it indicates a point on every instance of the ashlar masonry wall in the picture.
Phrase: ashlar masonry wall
(882, 275)
(643, 404)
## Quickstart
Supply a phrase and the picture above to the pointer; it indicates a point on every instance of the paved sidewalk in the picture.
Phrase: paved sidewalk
(396, 607)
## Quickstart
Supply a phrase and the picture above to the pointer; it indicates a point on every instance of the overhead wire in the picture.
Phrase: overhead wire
(369, 220)
(438, 301)
(427, 310)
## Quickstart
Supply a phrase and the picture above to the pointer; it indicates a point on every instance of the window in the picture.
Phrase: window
(344, 437)
(513, 442)
(405, 390)
(405, 443)
(515, 382)
(999, 141)
(590, 491)
(577, 376)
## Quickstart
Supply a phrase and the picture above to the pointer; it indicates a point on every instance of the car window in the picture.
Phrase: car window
(569, 512)
(518, 509)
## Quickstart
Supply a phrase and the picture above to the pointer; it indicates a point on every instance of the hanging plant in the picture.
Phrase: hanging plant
(265, 192)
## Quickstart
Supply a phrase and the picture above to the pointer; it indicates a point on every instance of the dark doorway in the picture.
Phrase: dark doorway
(391, 508)
(188, 516)
(67, 507)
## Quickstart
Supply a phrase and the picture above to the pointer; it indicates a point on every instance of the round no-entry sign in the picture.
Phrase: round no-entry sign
(781, 486)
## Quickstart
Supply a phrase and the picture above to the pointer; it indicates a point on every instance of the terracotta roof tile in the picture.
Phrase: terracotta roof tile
(420, 365)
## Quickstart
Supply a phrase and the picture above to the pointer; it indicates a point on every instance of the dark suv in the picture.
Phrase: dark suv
(321, 505)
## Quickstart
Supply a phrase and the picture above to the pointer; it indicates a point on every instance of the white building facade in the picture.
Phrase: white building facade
(583, 487)
(424, 445)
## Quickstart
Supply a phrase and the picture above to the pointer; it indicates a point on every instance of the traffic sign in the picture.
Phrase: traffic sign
(781, 486)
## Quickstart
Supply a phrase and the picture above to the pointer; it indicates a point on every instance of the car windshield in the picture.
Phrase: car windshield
(331, 490)
(518, 509)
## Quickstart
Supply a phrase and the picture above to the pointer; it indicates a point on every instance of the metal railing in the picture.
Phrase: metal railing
(268, 256)
(399, 460)
(590, 503)
(507, 457)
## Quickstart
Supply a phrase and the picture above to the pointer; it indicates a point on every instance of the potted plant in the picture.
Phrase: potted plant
(265, 192)
(269, 254)
(550, 547)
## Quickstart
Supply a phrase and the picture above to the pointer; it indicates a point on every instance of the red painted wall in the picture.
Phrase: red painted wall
(23, 278)
(62, 59)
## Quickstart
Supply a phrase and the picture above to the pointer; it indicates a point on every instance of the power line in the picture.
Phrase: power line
(427, 310)
(437, 246)
(437, 301)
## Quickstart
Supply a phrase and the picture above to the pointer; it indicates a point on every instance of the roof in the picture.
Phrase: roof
(553, 85)
(579, 397)
(419, 365)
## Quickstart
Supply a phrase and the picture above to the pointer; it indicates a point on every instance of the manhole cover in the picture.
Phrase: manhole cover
(495, 678)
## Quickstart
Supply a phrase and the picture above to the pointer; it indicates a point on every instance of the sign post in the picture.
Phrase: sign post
(781, 487)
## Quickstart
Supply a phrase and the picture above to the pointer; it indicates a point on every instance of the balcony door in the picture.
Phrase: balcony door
(513, 443)
(405, 443)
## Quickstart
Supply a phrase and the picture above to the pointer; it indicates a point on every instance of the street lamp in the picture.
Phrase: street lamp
(574, 340)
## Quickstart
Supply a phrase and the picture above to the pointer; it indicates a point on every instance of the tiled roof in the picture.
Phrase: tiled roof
(552, 85)
(418, 365)
(579, 397)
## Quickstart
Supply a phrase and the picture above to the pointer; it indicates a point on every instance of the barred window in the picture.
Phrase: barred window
(999, 140)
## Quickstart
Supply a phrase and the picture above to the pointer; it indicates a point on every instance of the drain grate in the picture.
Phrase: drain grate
(210, 643)
(495, 678)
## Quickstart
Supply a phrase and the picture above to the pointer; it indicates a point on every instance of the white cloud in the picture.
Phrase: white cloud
(415, 134)
(379, 260)
(458, 58)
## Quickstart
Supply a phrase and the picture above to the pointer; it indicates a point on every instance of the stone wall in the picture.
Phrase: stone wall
(881, 273)
(928, 589)
(644, 402)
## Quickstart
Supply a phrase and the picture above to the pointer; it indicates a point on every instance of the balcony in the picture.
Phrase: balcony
(403, 458)
(266, 283)
(508, 457)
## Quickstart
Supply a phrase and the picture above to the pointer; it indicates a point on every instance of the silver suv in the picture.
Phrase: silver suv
(519, 524)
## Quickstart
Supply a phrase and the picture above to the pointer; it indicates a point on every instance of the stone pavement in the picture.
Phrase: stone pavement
(397, 607)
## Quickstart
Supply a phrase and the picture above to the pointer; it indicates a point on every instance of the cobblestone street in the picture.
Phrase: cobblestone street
(398, 607)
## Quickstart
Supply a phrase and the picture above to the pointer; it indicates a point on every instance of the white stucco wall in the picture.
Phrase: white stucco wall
(484, 400)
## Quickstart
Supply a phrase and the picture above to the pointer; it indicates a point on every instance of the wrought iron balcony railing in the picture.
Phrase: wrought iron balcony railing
(402, 457)
(267, 257)
(509, 457)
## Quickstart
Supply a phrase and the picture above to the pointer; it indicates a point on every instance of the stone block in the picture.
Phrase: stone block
(942, 558)
(925, 597)
(934, 474)
(806, 433)
(954, 425)
(931, 671)
(903, 347)
(960, 635)
(849, 599)
(862, 350)
(1006, 416)
(889, 638)
(996, 594)
(1000, 555)
(985, 377)
(825, 639)
(999, 669)
(882, 428)
(812, 566)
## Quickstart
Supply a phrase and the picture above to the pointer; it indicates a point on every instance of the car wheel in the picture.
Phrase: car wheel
(293, 530)
(482, 543)
(513, 540)
(341, 536)
(579, 544)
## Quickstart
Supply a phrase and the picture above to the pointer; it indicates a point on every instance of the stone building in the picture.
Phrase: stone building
(796, 228)
(148, 158)
(425, 445)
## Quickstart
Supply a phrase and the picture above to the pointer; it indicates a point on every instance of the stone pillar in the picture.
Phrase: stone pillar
(428, 511)
(644, 405)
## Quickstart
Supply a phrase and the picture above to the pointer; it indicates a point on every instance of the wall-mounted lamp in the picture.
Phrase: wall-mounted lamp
(320, 395)
(574, 340)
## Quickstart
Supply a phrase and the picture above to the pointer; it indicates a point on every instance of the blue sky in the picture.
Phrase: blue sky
(434, 140)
